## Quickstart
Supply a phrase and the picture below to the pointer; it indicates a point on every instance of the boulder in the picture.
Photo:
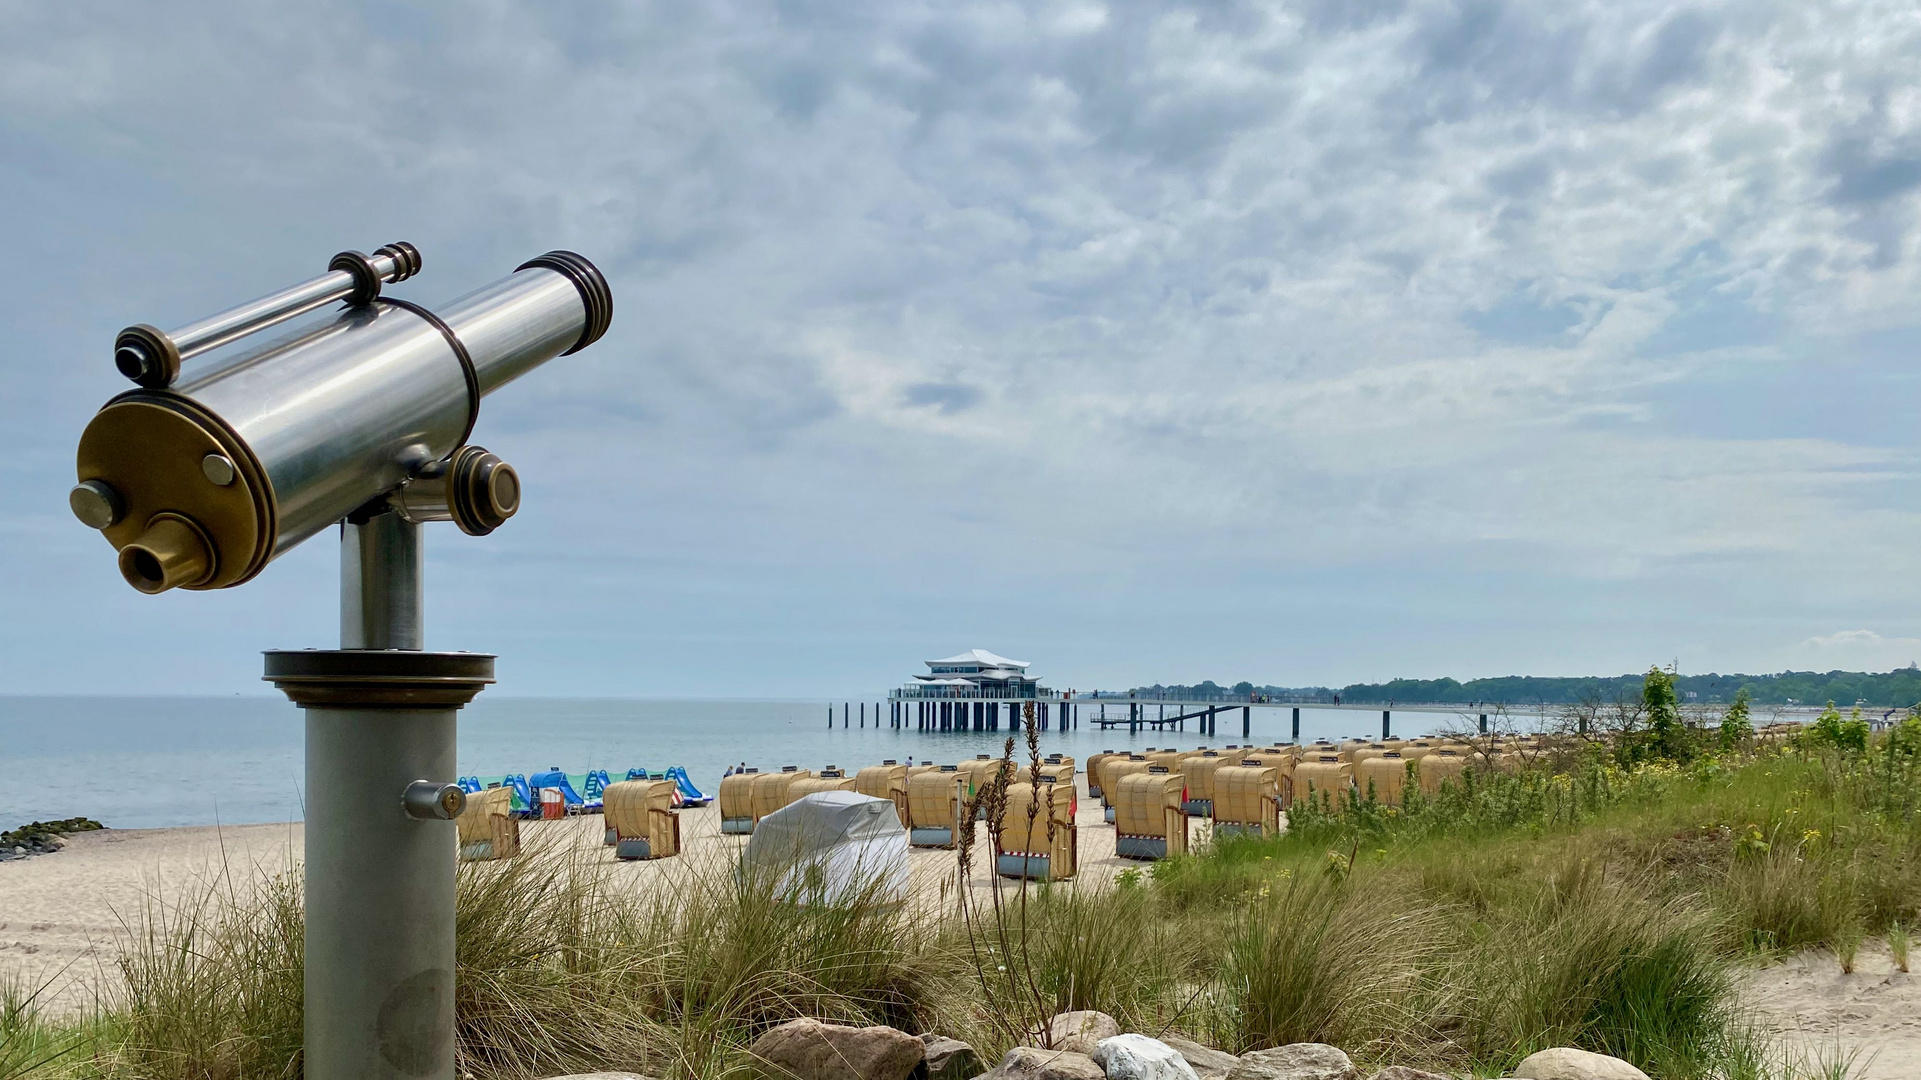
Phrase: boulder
(1033, 1063)
(1295, 1061)
(951, 1059)
(1207, 1062)
(1137, 1057)
(810, 1050)
(1405, 1072)
(1567, 1063)
(1079, 1031)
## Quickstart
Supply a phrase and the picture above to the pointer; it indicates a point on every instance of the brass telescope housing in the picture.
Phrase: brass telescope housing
(198, 484)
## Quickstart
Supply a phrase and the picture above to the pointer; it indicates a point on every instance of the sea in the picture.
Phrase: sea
(158, 762)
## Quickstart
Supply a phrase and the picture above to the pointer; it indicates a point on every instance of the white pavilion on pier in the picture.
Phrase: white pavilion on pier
(975, 673)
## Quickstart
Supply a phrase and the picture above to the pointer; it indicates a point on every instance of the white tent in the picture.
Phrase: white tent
(845, 843)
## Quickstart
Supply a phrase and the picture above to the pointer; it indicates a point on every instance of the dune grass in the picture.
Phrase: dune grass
(1611, 910)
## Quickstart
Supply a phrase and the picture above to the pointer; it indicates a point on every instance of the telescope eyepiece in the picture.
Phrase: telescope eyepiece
(147, 356)
(171, 553)
(131, 360)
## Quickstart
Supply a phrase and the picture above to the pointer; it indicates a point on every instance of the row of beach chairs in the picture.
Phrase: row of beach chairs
(1148, 796)
(639, 814)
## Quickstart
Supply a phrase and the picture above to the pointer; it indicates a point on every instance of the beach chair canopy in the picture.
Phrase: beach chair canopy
(842, 843)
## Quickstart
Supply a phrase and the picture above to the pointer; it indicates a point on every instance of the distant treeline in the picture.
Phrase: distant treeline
(1899, 688)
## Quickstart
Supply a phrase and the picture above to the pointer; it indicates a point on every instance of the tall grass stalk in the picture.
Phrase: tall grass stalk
(213, 982)
(29, 1042)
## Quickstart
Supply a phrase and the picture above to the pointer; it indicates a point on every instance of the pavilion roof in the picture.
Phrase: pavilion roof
(981, 656)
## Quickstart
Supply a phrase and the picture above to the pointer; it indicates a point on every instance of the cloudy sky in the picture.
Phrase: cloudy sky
(1299, 342)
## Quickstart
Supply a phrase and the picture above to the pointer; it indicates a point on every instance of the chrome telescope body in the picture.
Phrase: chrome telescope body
(200, 482)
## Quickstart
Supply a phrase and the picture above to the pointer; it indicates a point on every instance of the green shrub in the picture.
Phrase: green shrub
(1830, 731)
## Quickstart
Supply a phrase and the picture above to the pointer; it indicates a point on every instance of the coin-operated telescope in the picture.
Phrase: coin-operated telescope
(200, 482)
(207, 472)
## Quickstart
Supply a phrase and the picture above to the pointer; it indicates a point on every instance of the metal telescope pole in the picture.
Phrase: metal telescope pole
(381, 844)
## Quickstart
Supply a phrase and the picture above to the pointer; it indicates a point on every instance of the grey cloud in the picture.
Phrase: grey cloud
(1353, 288)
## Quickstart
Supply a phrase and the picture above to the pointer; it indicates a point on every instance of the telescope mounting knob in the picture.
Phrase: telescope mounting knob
(96, 504)
(472, 488)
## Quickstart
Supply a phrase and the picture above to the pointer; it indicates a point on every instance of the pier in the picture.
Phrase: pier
(951, 709)
(981, 691)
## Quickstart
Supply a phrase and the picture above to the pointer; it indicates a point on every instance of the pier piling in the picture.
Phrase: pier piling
(1296, 734)
(1387, 726)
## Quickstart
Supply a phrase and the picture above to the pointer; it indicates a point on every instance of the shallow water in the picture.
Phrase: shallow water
(162, 761)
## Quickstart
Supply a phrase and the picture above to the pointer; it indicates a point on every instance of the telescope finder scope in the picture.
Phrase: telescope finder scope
(199, 483)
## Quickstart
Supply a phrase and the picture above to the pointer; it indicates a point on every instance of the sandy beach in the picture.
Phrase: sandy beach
(62, 917)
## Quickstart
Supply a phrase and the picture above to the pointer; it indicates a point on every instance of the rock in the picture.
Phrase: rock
(1404, 1072)
(1137, 1057)
(1207, 1062)
(1295, 1061)
(951, 1059)
(1080, 1031)
(810, 1050)
(1567, 1063)
(1033, 1063)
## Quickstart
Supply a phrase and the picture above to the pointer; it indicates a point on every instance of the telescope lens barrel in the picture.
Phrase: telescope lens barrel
(216, 477)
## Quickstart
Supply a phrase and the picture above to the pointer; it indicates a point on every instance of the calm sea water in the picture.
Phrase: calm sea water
(156, 762)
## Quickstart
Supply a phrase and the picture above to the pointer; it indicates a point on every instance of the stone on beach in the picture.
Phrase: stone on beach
(951, 1059)
(1406, 1072)
(1295, 1061)
(1207, 1062)
(1033, 1063)
(1568, 1063)
(807, 1049)
(1080, 1031)
(1138, 1057)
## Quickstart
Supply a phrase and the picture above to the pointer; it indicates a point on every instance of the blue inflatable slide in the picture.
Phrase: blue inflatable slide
(554, 778)
(524, 805)
(689, 794)
(593, 796)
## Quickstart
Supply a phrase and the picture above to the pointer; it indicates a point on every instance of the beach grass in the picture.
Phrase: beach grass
(1610, 909)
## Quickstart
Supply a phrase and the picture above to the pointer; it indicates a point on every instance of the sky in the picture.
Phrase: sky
(1303, 343)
